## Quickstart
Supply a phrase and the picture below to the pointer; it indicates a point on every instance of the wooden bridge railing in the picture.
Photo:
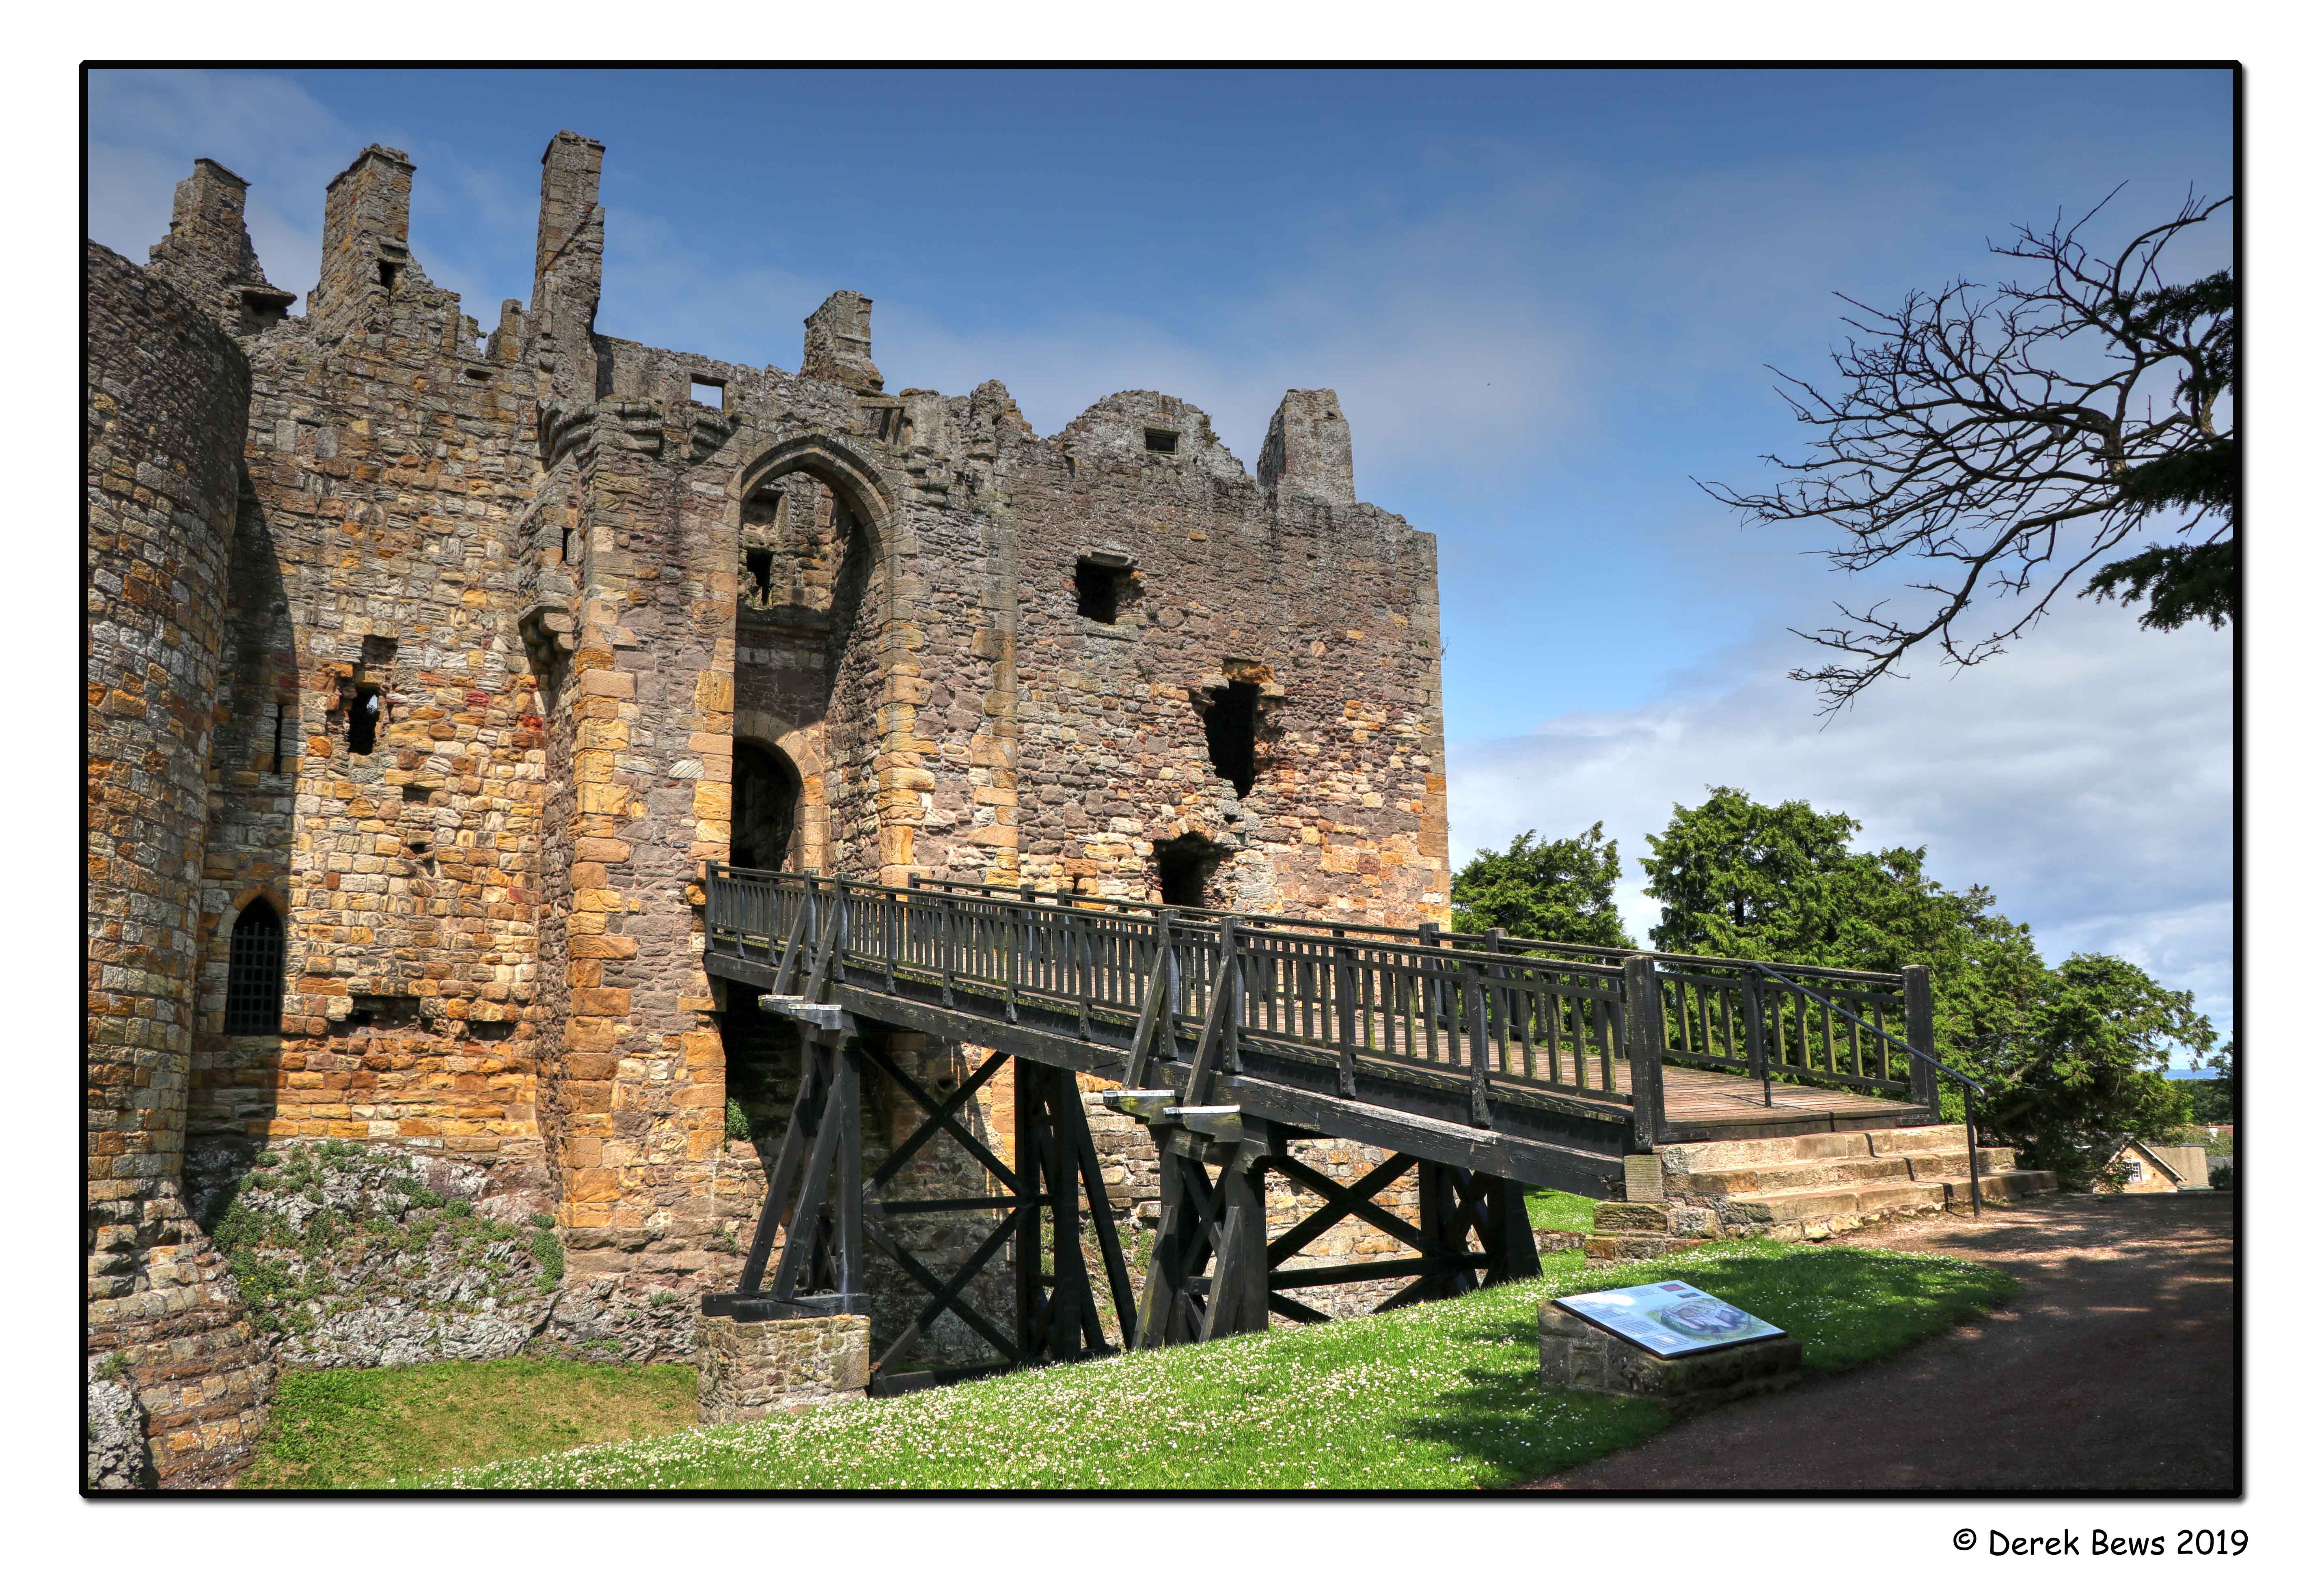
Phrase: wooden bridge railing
(1501, 1016)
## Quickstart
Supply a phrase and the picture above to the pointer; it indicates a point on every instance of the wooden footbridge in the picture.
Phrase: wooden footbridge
(1483, 1064)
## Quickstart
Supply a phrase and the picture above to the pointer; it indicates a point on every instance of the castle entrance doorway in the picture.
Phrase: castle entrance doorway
(766, 789)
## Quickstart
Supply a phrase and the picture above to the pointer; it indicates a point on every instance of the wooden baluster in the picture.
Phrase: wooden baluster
(1085, 970)
(947, 944)
(1432, 994)
(1480, 1077)
(1755, 1032)
(1009, 993)
(1230, 946)
(1344, 1010)
(1173, 995)
(1494, 1021)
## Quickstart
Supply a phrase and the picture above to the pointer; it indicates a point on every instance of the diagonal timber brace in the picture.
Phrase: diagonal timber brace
(1214, 1273)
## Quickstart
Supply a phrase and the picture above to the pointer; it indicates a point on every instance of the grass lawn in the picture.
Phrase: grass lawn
(1549, 1208)
(348, 1428)
(1439, 1396)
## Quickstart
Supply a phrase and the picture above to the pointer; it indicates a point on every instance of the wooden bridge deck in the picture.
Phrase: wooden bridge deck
(1477, 1052)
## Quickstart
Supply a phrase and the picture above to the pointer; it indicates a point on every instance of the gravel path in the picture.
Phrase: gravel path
(2113, 1370)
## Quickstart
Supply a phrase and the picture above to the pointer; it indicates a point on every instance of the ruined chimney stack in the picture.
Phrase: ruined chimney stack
(1308, 451)
(208, 254)
(568, 255)
(839, 343)
(367, 237)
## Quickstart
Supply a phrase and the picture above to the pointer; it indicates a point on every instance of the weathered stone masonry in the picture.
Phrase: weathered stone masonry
(608, 612)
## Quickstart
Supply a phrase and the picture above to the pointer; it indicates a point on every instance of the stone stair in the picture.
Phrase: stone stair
(1801, 1186)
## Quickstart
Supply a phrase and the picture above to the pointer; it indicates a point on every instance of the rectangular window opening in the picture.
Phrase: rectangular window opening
(363, 719)
(278, 714)
(1097, 590)
(710, 393)
(1230, 724)
(1185, 869)
(388, 272)
(760, 565)
(1161, 441)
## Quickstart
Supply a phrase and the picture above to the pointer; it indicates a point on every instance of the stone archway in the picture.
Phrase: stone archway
(817, 591)
(768, 796)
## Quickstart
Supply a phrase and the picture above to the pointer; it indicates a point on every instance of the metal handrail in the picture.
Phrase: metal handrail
(1969, 1086)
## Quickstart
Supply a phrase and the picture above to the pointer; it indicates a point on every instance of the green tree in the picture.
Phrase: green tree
(1560, 891)
(2084, 1075)
(2213, 1100)
(2069, 1056)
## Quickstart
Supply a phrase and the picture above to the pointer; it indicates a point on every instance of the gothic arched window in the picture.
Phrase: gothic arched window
(253, 972)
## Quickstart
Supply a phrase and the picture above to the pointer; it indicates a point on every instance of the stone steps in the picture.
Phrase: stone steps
(1818, 1213)
(1800, 1186)
(1836, 1172)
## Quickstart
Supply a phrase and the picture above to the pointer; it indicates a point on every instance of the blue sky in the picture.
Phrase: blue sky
(1546, 299)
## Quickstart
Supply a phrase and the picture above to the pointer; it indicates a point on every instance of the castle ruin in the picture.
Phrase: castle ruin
(428, 665)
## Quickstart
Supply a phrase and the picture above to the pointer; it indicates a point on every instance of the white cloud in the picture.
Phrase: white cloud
(2087, 778)
(146, 129)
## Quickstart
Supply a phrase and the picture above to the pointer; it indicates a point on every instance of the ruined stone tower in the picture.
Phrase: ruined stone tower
(428, 667)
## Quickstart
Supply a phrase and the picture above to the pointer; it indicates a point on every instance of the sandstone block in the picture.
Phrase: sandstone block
(749, 1369)
(1577, 1355)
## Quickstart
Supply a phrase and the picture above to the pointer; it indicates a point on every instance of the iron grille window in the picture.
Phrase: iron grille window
(253, 972)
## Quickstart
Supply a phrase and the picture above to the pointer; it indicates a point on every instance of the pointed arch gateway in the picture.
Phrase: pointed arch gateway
(814, 554)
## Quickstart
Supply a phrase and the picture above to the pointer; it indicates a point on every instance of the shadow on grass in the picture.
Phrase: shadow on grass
(1847, 1306)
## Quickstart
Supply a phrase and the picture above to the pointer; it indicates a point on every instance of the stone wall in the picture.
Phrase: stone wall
(166, 393)
(387, 458)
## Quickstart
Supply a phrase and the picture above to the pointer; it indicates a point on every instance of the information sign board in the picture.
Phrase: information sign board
(1670, 1319)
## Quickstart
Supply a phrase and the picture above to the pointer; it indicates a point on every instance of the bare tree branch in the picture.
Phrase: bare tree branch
(2009, 439)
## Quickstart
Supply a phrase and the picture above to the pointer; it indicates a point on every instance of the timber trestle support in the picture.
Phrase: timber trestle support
(1216, 1272)
(826, 1212)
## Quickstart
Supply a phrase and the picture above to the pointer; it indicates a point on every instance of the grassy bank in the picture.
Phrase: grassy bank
(1439, 1395)
(362, 1428)
(1554, 1209)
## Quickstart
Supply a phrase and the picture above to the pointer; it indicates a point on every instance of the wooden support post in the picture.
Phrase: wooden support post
(1755, 1034)
(1028, 1126)
(1440, 1233)
(1072, 1307)
(1507, 1233)
(1238, 1299)
(1642, 1028)
(1160, 1307)
(847, 1277)
(788, 1160)
(1920, 1031)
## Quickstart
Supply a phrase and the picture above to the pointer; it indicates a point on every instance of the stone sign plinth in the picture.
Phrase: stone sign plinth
(1579, 1355)
(749, 1369)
